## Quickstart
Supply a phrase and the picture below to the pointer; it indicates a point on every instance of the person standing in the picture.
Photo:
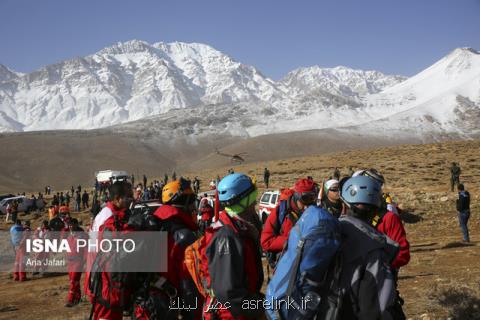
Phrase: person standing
(75, 260)
(145, 181)
(17, 238)
(14, 211)
(455, 172)
(336, 174)
(78, 200)
(463, 208)
(85, 199)
(266, 177)
(196, 185)
(366, 277)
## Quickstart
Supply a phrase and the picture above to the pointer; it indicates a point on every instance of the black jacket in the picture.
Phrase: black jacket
(463, 201)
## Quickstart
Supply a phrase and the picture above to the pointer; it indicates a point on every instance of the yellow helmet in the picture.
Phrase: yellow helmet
(176, 191)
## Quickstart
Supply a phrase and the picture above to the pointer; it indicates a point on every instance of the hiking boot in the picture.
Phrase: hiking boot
(69, 305)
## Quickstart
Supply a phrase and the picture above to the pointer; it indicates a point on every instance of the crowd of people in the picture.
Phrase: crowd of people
(334, 249)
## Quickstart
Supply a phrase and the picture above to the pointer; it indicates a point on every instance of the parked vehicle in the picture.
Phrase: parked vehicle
(4, 196)
(106, 177)
(268, 202)
(24, 204)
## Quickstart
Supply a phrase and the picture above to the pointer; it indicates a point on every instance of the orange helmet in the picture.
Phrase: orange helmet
(177, 191)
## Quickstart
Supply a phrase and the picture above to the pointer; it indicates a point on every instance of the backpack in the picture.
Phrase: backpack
(196, 260)
(302, 272)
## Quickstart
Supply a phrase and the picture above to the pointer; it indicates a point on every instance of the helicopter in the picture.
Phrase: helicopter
(236, 158)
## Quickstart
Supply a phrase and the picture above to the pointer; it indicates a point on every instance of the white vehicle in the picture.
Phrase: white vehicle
(24, 204)
(108, 176)
(268, 202)
(146, 207)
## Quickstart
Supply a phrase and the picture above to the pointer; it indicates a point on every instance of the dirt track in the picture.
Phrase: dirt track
(442, 279)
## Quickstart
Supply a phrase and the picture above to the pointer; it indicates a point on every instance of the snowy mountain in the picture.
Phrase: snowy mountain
(190, 91)
(341, 81)
(129, 81)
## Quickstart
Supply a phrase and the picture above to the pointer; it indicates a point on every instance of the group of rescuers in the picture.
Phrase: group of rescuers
(219, 268)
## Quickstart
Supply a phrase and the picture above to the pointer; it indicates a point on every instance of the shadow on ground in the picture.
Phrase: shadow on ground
(462, 303)
(457, 245)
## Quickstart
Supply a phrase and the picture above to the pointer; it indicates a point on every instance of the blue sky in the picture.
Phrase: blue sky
(395, 37)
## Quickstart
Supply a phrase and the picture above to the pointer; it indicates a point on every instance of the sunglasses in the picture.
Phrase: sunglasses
(333, 190)
(308, 198)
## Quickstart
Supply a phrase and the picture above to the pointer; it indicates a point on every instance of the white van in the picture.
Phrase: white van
(107, 176)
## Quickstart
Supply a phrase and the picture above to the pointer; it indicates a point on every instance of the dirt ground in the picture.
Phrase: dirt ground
(442, 280)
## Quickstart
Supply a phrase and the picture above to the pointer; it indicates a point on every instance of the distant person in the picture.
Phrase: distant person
(67, 198)
(463, 208)
(266, 177)
(336, 174)
(145, 181)
(174, 176)
(350, 171)
(78, 200)
(14, 211)
(133, 180)
(79, 188)
(455, 172)
(75, 260)
(85, 199)
(97, 185)
(96, 206)
(196, 185)
(17, 237)
(72, 190)
(8, 210)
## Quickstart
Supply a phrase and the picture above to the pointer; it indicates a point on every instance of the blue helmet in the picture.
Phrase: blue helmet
(362, 189)
(234, 187)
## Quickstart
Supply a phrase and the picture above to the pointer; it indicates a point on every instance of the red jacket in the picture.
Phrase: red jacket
(274, 235)
(391, 225)
(181, 233)
(115, 293)
(182, 236)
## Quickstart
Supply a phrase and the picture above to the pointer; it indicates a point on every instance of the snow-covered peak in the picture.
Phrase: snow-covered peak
(7, 74)
(339, 80)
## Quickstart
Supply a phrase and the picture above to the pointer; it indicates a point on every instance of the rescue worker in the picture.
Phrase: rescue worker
(114, 296)
(282, 219)
(388, 222)
(366, 277)
(75, 261)
(330, 198)
(18, 236)
(233, 253)
(206, 212)
(176, 216)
